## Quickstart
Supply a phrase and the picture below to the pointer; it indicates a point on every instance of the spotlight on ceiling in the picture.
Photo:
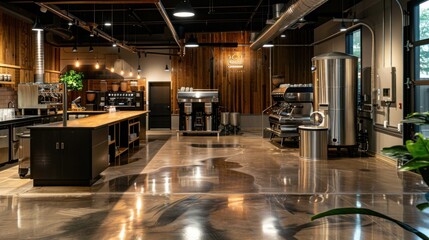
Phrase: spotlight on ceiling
(184, 9)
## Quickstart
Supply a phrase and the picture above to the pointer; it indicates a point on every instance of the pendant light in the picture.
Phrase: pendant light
(166, 68)
(184, 9)
(192, 42)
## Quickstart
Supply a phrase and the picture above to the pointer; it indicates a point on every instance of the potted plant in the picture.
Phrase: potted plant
(74, 83)
(415, 155)
(73, 80)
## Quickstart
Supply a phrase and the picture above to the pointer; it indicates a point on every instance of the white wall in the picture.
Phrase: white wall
(152, 65)
(387, 25)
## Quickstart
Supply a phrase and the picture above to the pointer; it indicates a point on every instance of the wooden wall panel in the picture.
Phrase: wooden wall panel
(240, 89)
(292, 56)
(17, 51)
(244, 90)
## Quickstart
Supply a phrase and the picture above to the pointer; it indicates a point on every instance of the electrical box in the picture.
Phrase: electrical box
(386, 80)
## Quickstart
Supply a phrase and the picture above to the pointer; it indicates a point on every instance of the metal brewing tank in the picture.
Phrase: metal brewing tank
(335, 89)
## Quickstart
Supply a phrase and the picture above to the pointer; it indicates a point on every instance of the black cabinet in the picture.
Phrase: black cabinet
(68, 156)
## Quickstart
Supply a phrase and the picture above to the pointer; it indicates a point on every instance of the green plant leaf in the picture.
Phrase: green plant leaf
(395, 150)
(365, 211)
(418, 147)
(422, 206)
(73, 80)
(417, 118)
(415, 163)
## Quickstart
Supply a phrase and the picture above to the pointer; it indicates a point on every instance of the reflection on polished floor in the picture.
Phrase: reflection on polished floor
(204, 187)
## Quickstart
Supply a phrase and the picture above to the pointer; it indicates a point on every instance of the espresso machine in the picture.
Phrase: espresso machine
(198, 110)
(293, 104)
(125, 100)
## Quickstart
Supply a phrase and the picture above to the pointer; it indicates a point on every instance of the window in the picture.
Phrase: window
(354, 47)
(420, 59)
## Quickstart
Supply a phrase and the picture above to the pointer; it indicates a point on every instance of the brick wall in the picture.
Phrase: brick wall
(7, 94)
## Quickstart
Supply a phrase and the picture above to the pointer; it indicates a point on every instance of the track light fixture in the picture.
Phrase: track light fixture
(184, 9)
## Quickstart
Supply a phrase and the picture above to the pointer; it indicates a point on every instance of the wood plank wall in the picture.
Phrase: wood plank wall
(244, 90)
(17, 51)
(292, 56)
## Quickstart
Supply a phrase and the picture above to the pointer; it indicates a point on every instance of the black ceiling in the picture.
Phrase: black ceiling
(142, 24)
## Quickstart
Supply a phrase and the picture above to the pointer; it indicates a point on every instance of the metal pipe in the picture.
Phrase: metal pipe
(100, 2)
(170, 26)
(294, 12)
(84, 25)
(39, 64)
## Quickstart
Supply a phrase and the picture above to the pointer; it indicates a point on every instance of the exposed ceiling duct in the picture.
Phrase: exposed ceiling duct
(295, 10)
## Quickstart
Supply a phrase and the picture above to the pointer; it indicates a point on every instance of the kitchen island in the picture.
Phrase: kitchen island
(76, 154)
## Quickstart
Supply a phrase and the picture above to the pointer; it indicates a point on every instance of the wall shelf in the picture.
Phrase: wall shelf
(7, 83)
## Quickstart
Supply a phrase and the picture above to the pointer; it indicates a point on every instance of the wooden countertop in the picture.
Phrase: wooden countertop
(95, 120)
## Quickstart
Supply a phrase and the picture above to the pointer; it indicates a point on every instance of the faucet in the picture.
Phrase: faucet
(11, 104)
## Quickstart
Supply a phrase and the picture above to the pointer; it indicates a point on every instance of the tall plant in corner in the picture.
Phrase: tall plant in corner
(73, 80)
(415, 155)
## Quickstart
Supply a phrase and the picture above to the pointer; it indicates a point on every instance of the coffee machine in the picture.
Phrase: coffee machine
(125, 100)
(198, 109)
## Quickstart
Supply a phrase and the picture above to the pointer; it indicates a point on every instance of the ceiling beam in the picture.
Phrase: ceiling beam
(100, 2)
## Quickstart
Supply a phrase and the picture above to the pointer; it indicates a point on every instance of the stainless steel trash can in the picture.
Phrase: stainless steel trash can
(313, 144)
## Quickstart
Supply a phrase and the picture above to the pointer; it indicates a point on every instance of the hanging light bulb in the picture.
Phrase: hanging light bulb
(138, 76)
(77, 63)
(112, 69)
(122, 71)
(97, 65)
(131, 73)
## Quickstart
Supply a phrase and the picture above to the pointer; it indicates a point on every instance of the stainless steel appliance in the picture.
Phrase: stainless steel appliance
(198, 109)
(125, 100)
(24, 154)
(208, 110)
(40, 98)
(293, 104)
(334, 80)
(4, 145)
(17, 131)
(234, 121)
(188, 116)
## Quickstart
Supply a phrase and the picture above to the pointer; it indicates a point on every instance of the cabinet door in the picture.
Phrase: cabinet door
(45, 154)
(76, 153)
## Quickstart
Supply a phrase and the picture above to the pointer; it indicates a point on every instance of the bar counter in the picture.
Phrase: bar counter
(76, 154)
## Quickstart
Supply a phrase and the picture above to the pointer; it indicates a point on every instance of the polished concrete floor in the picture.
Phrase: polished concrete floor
(204, 187)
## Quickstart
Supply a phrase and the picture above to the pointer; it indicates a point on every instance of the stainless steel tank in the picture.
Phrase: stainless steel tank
(335, 89)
